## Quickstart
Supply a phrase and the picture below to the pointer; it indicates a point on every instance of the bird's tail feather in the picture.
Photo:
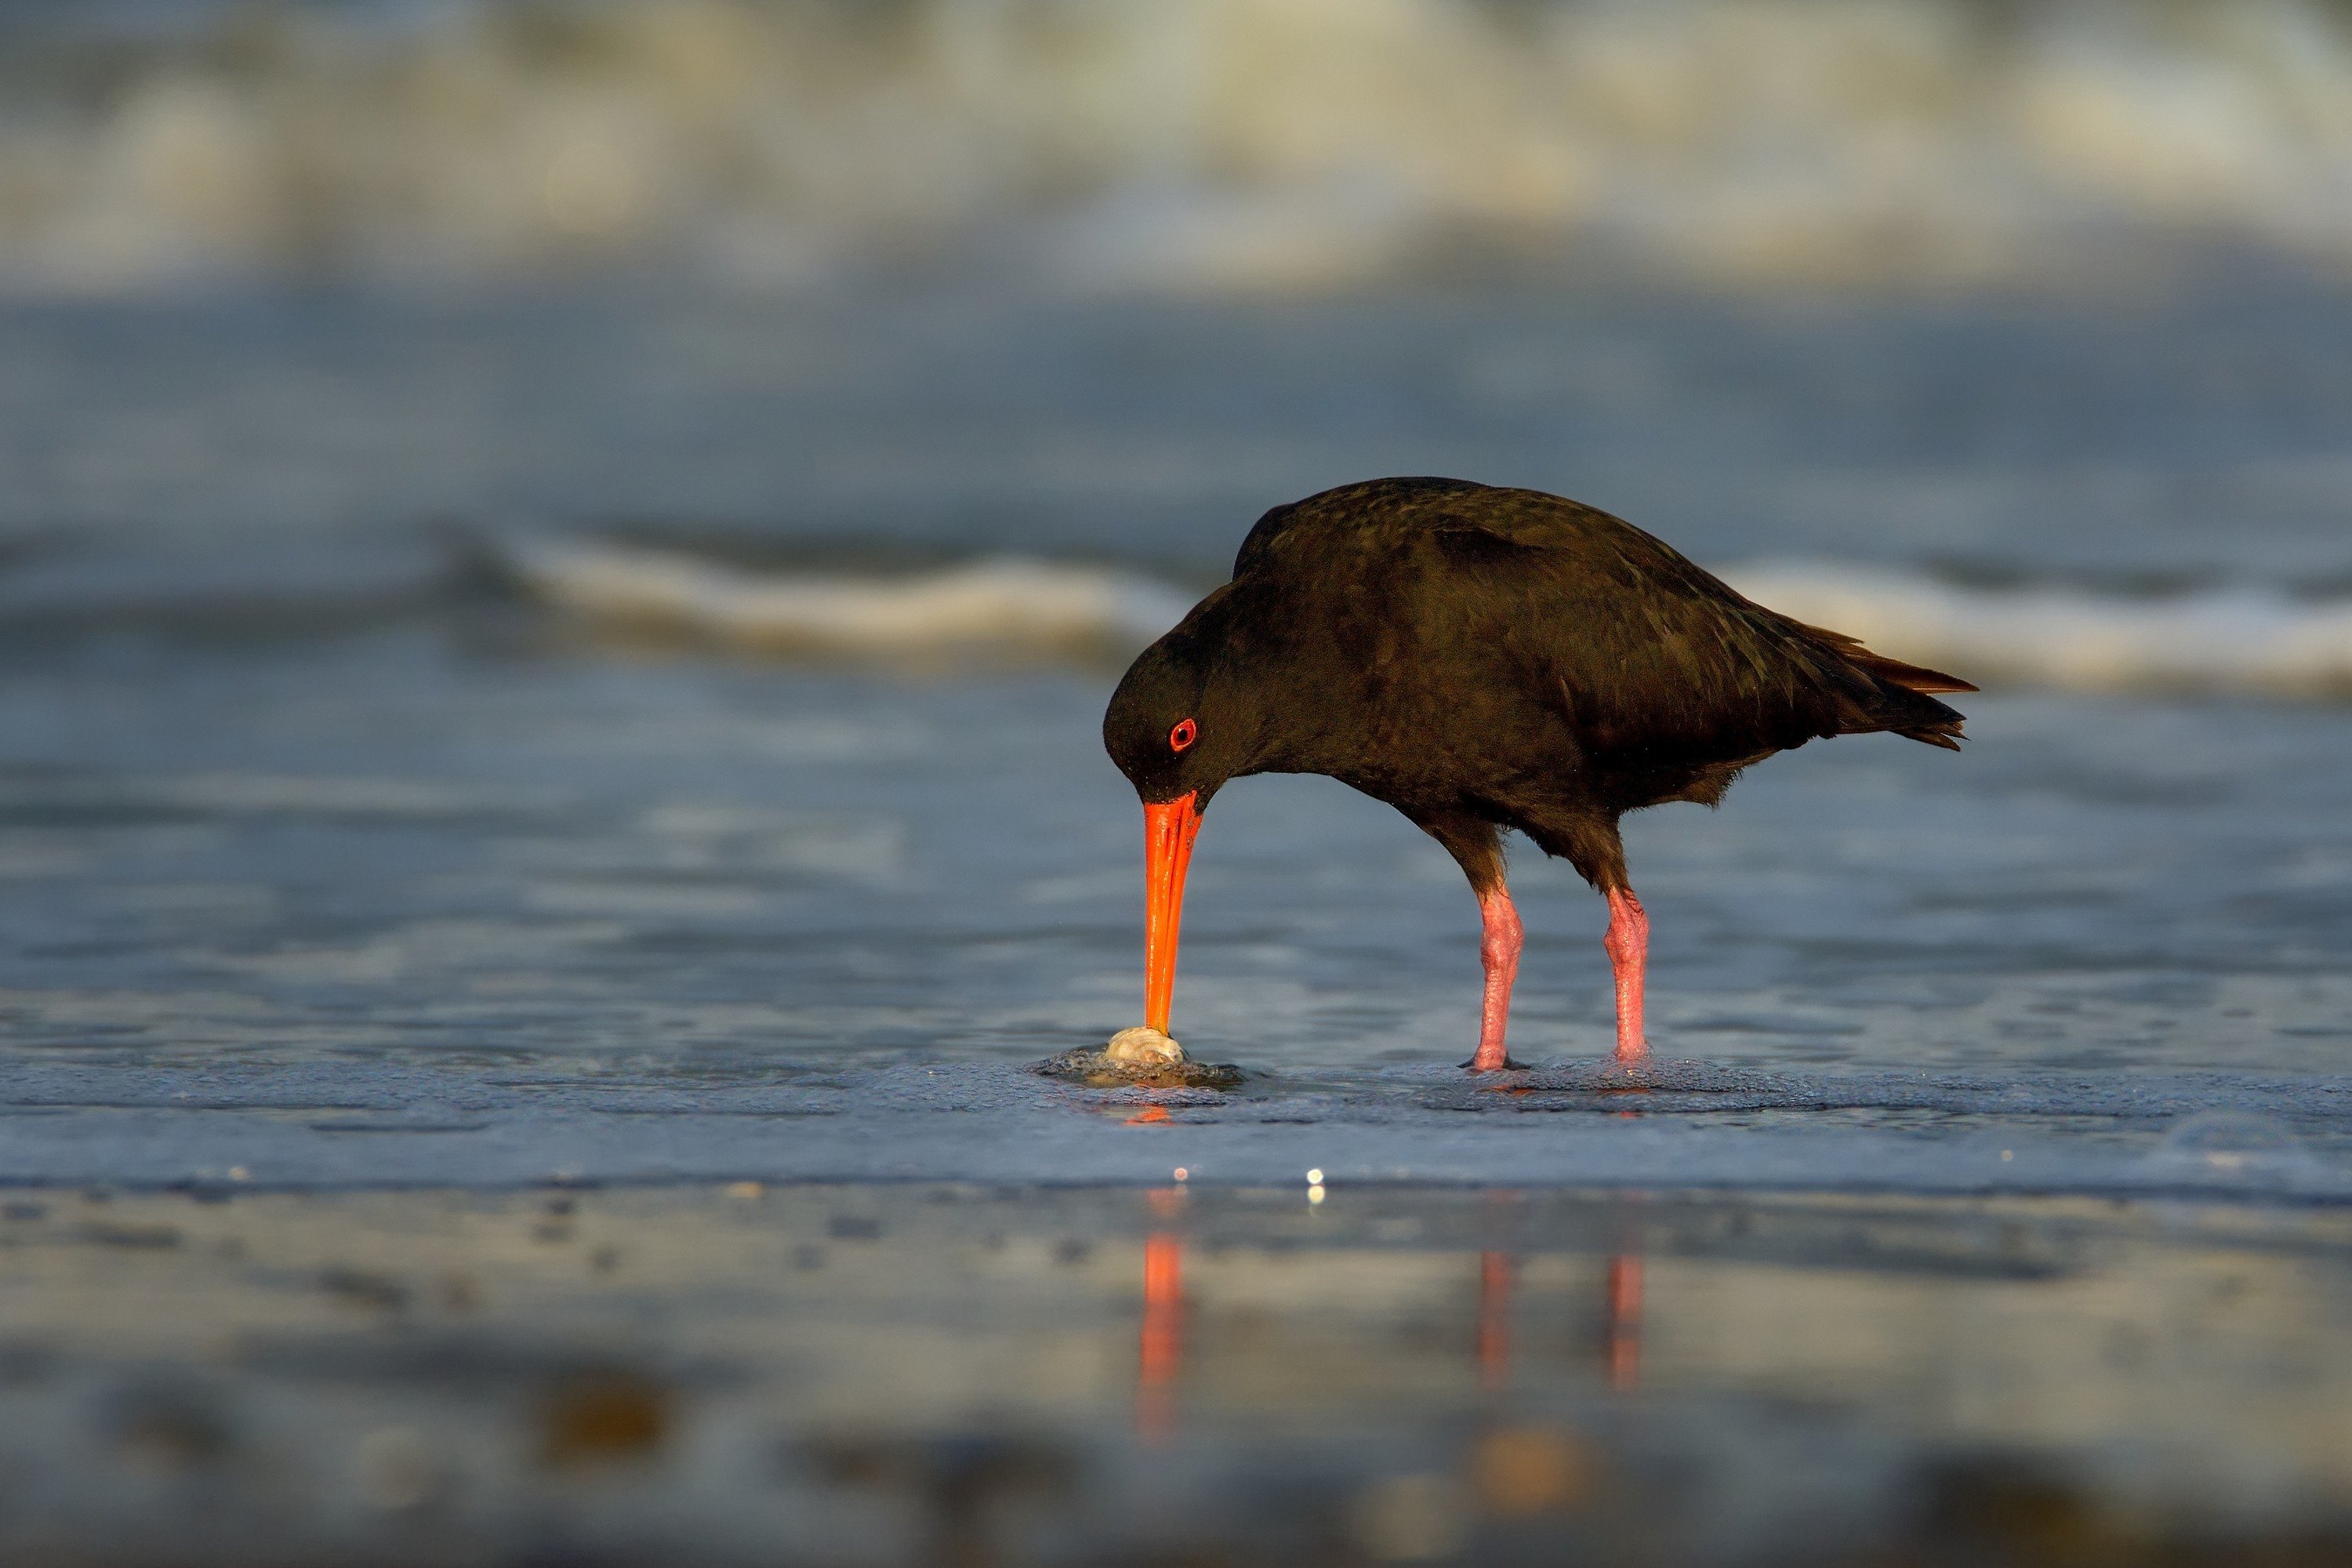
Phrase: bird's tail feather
(1910, 676)
(1944, 733)
(1914, 715)
(1894, 671)
(1907, 706)
(1940, 725)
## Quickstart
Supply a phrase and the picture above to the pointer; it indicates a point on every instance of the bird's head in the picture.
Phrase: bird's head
(1173, 729)
(1178, 730)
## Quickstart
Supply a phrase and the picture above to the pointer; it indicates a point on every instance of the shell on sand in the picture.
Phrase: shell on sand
(1143, 1046)
(1141, 1058)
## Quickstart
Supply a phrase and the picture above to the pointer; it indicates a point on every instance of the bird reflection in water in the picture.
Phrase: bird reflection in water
(1494, 1275)
(1624, 1334)
(1159, 1351)
(1621, 1337)
(1159, 1342)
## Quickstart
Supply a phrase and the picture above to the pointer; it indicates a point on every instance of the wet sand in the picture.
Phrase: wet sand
(939, 1374)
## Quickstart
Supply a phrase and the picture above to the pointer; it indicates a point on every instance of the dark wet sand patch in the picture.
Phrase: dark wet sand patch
(929, 1374)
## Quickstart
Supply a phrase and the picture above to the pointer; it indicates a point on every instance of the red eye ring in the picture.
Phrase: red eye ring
(1183, 734)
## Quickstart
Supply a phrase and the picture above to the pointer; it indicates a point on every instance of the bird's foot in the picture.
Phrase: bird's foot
(1625, 1074)
(1505, 1064)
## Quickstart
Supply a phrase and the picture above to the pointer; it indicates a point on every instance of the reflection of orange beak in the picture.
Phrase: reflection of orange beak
(1161, 1353)
(1168, 830)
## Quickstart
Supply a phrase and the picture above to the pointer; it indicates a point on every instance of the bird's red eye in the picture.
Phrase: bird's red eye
(1183, 735)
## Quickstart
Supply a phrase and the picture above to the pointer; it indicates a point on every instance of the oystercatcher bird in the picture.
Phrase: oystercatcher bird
(1483, 658)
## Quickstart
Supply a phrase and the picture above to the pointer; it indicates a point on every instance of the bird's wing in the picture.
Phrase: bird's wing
(1644, 652)
(1652, 655)
(1338, 521)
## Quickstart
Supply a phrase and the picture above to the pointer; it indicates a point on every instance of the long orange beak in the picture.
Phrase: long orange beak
(1168, 830)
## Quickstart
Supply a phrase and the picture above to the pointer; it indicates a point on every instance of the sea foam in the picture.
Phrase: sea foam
(1189, 142)
(2236, 639)
(2247, 639)
(1010, 604)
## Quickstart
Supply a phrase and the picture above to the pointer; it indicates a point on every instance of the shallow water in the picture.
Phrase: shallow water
(634, 918)
(338, 858)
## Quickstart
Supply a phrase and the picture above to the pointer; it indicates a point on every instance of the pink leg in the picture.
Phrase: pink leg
(1628, 942)
(1498, 948)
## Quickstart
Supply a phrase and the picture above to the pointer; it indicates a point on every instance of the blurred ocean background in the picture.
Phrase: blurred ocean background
(1194, 145)
(560, 565)
(560, 561)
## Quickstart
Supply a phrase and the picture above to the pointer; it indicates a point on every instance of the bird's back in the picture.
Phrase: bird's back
(1665, 680)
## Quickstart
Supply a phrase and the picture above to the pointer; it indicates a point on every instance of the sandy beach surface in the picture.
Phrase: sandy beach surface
(919, 1374)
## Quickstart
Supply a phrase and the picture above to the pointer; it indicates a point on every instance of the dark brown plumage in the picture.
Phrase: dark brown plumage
(1483, 658)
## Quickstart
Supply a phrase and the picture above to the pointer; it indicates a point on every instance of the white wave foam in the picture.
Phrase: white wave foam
(1238, 142)
(1007, 604)
(2245, 640)
(2237, 640)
